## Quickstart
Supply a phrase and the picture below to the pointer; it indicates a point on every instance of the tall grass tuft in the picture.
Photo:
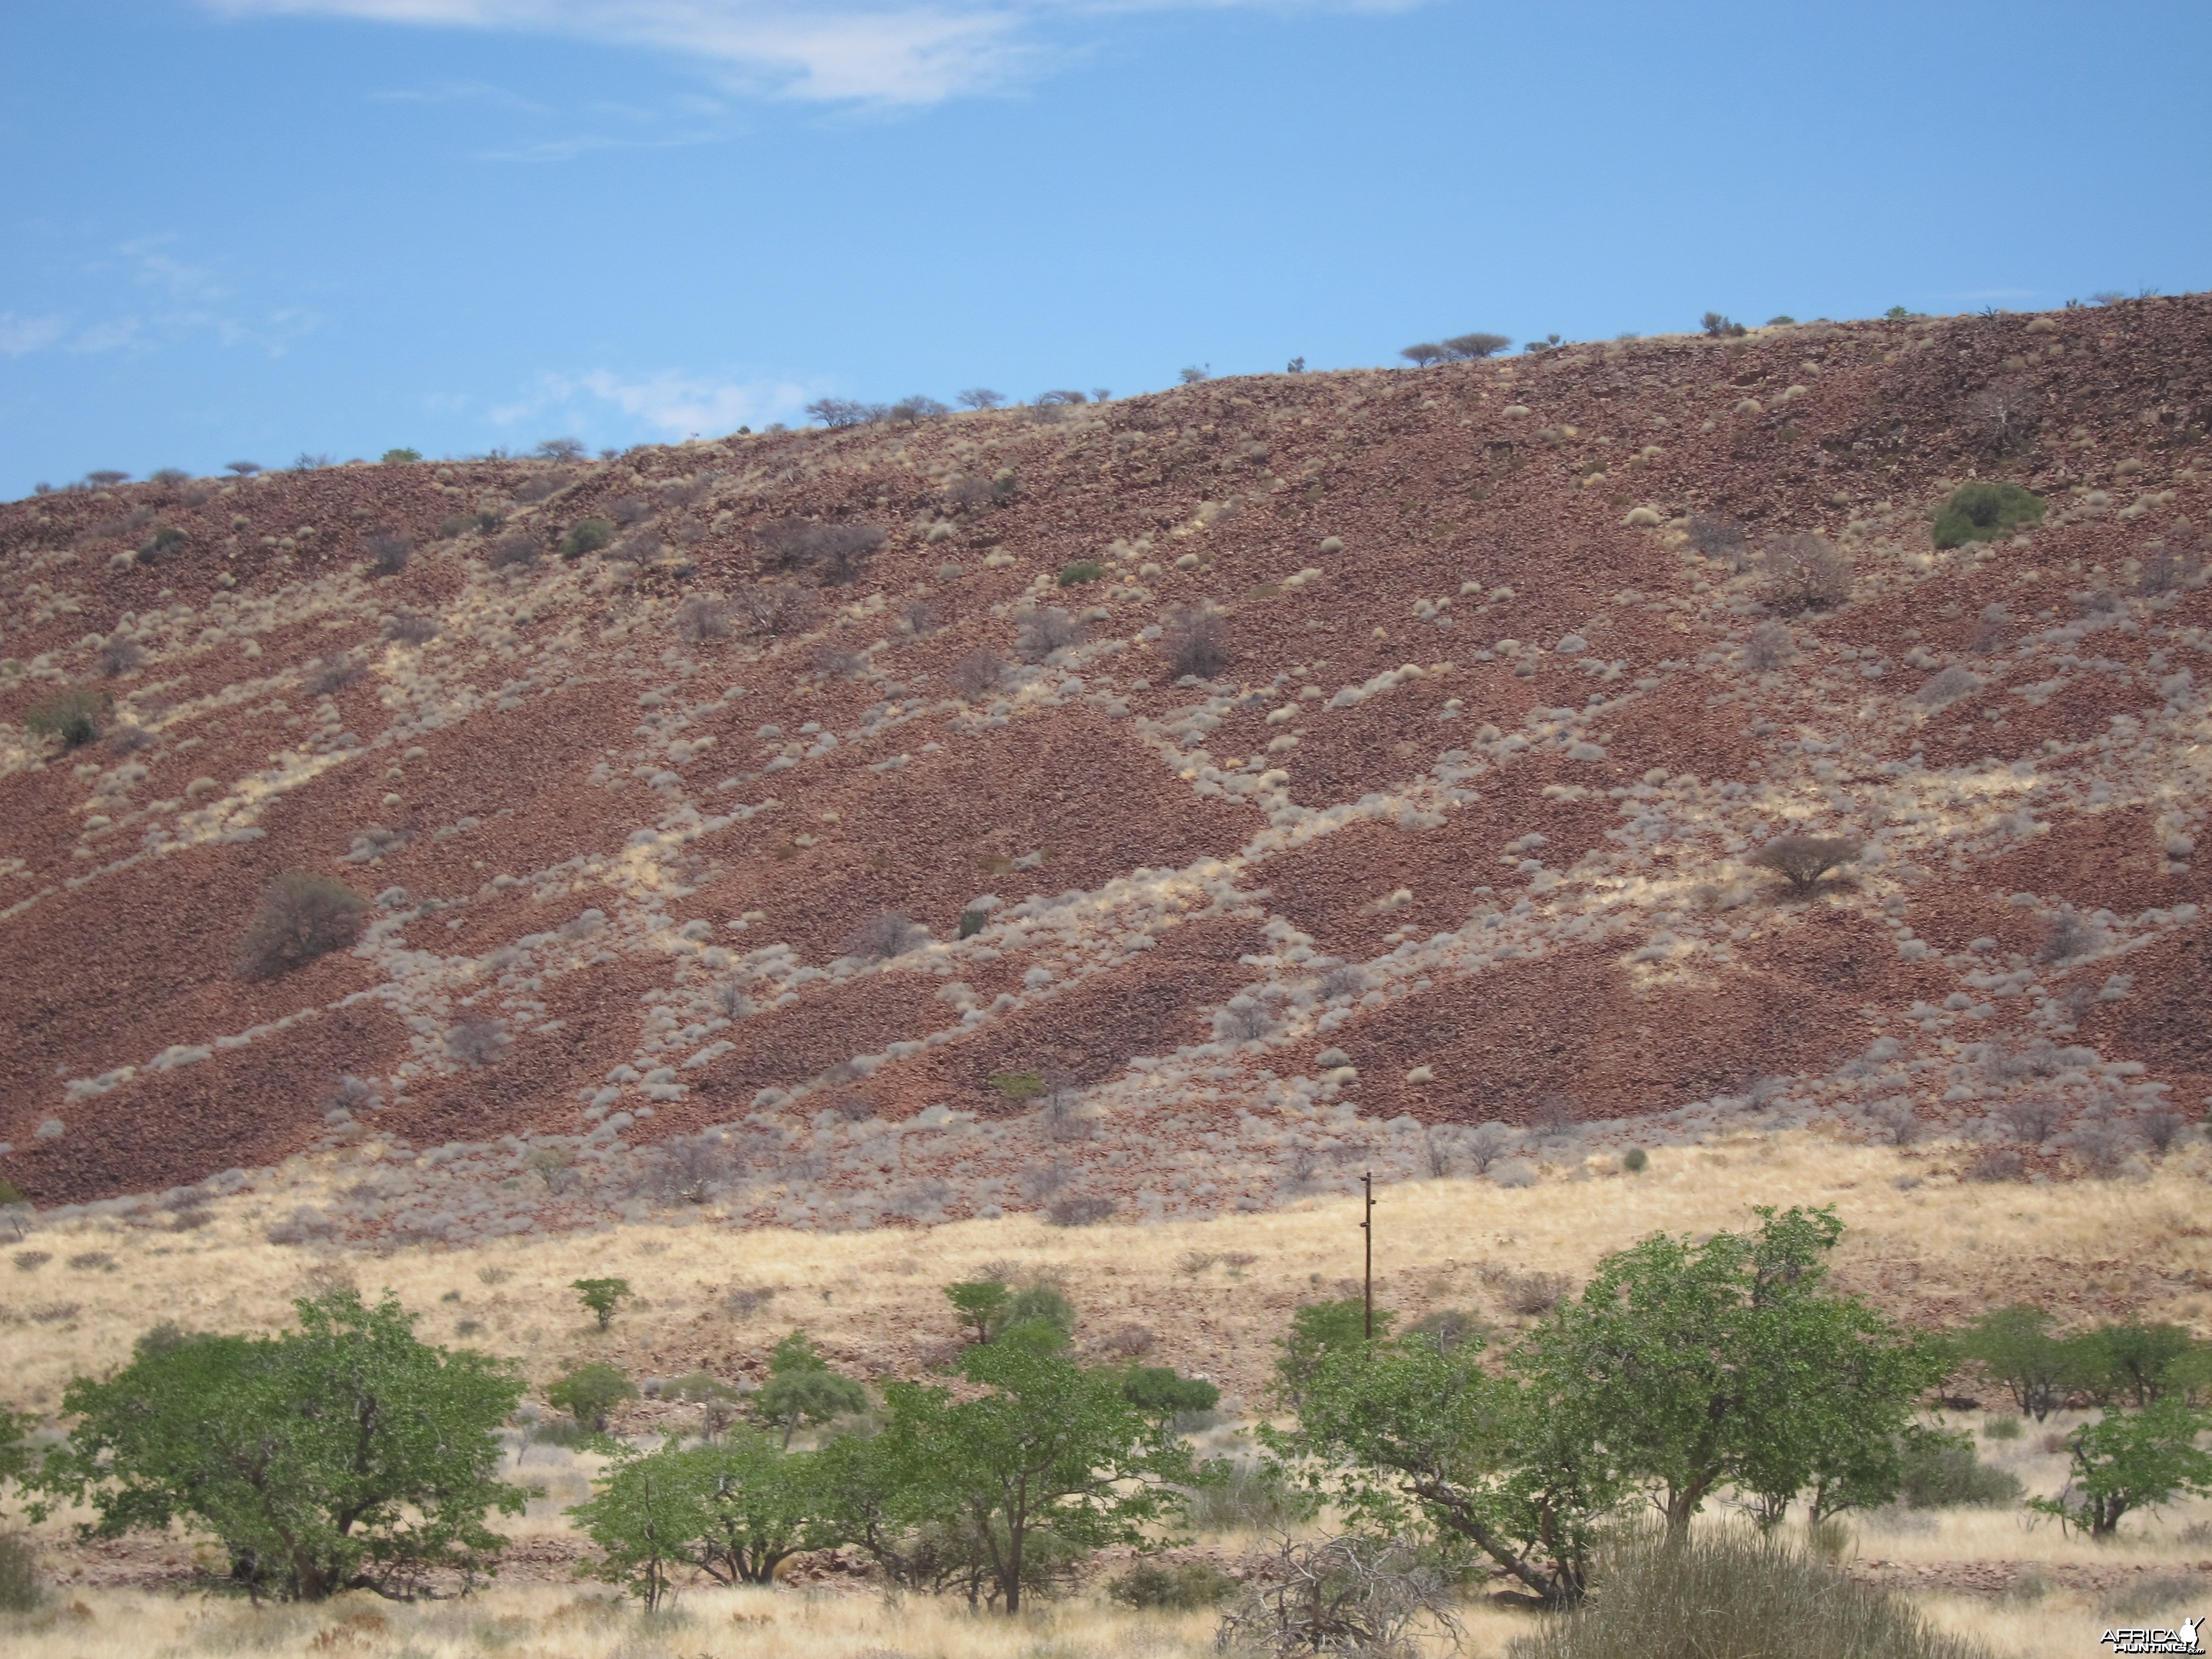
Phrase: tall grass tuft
(1734, 1595)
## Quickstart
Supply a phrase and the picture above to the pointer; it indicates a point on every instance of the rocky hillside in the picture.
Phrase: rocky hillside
(1175, 805)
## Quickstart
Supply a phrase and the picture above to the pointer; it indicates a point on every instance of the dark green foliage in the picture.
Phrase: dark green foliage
(164, 542)
(1162, 1394)
(1635, 1160)
(1178, 1586)
(1721, 328)
(73, 715)
(1735, 1595)
(802, 1388)
(1941, 1472)
(302, 916)
(586, 536)
(2014, 1347)
(1467, 348)
(1318, 1329)
(397, 457)
(979, 1302)
(1984, 510)
(1449, 1327)
(10, 1193)
(973, 922)
(346, 1454)
(1019, 1086)
(1081, 571)
(601, 1297)
(2131, 1460)
(590, 1392)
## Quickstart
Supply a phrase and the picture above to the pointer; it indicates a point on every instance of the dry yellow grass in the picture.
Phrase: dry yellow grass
(1934, 1250)
(1939, 1251)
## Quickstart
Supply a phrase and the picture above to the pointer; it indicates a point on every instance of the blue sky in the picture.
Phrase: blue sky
(242, 229)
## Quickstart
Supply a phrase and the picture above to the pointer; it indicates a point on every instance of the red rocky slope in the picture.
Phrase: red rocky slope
(1456, 833)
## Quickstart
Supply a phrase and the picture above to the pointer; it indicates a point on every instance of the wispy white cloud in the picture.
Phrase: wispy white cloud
(20, 335)
(880, 51)
(672, 402)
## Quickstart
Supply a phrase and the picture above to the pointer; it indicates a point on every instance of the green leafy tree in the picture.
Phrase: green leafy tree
(601, 1297)
(589, 1393)
(2131, 1460)
(1046, 1460)
(1693, 1364)
(1416, 1427)
(802, 1388)
(2132, 1362)
(644, 1517)
(978, 1302)
(1829, 1405)
(734, 1511)
(344, 1454)
(1318, 1329)
(762, 1506)
(1162, 1394)
(2014, 1347)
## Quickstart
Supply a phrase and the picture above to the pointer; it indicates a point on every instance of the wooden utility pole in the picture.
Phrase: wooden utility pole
(1367, 1226)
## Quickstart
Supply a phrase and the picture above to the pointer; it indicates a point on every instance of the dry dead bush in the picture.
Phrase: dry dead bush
(1769, 647)
(1995, 1163)
(1531, 1293)
(883, 937)
(388, 551)
(702, 618)
(976, 675)
(1804, 572)
(776, 609)
(840, 661)
(1242, 1019)
(919, 618)
(409, 628)
(1197, 643)
(2002, 415)
(118, 657)
(478, 1040)
(2033, 1119)
(518, 550)
(1078, 1210)
(1947, 686)
(1046, 629)
(689, 492)
(688, 1170)
(746, 1300)
(625, 511)
(328, 676)
(1350, 1595)
(1720, 539)
(837, 550)
(1803, 860)
(2070, 935)
(302, 916)
(1130, 1341)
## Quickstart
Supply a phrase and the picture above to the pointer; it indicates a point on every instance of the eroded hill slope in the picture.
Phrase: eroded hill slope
(1452, 826)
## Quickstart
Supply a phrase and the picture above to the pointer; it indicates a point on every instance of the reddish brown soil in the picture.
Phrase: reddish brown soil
(579, 800)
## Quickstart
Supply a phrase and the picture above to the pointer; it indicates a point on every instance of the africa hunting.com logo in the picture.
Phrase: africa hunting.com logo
(2184, 1640)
